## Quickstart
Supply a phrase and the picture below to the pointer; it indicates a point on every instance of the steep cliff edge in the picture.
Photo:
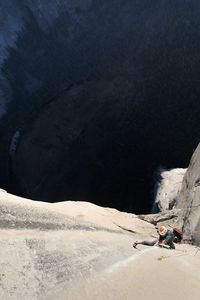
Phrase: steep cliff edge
(188, 200)
(77, 250)
(98, 95)
(177, 195)
(47, 248)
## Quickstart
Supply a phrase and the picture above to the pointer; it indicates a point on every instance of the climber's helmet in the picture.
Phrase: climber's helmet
(162, 230)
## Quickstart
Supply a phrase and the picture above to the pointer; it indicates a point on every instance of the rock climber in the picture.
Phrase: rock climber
(166, 237)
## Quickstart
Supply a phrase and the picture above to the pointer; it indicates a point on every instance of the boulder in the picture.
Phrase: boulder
(168, 217)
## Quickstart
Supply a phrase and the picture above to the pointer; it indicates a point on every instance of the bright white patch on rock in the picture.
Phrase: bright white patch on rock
(125, 262)
(168, 184)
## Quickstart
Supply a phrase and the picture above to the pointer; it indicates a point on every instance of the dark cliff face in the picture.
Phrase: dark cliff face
(101, 92)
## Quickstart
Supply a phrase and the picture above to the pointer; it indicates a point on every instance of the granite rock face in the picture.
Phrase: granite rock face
(188, 200)
(168, 185)
(48, 248)
(172, 217)
(177, 195)
(77, 250)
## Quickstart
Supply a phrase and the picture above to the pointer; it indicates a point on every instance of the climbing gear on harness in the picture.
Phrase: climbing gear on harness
(178, 235)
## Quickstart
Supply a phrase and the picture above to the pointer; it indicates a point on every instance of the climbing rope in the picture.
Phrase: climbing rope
(184, 252)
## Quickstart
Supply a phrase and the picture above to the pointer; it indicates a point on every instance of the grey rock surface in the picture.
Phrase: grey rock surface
(47, 248)
(78, 250)
(172, 217)
(37, 264)
(188, 199)
(139, 277)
